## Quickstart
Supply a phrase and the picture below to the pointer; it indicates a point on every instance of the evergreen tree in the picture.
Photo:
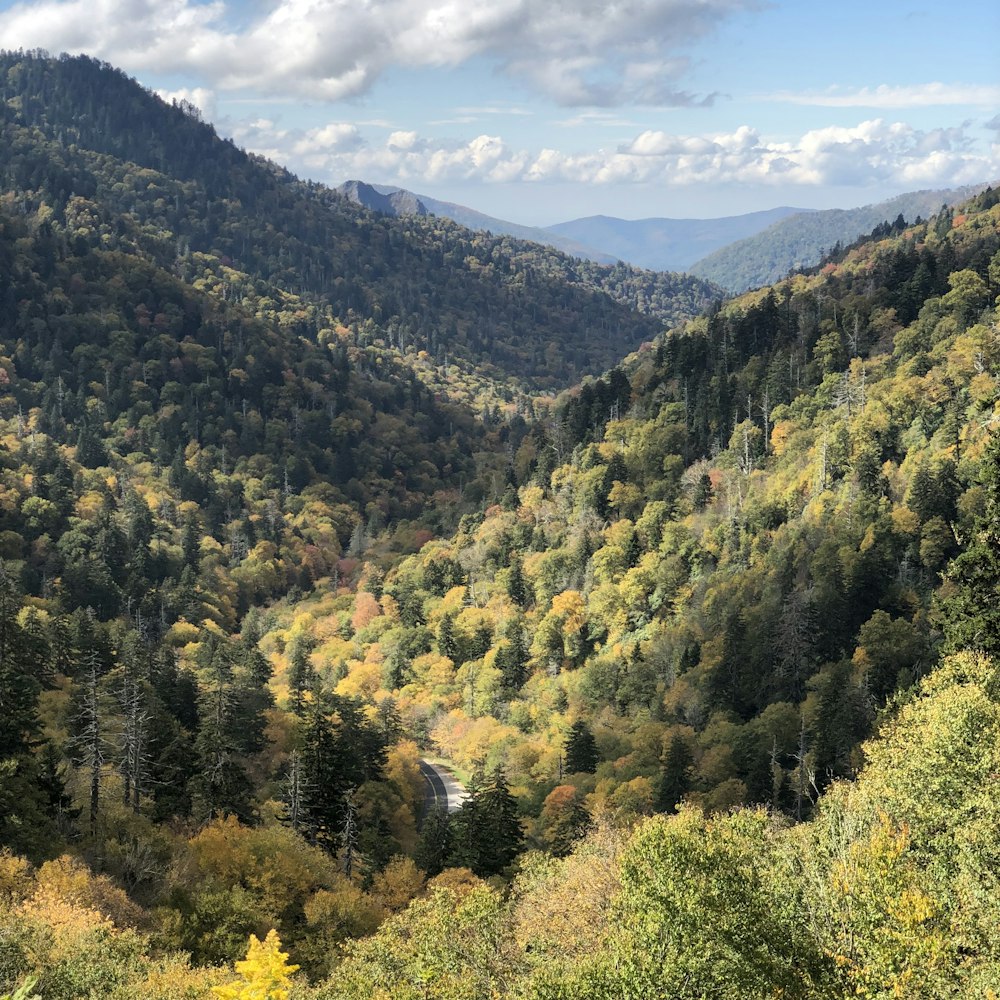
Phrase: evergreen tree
(675, 775)
(90, 742)
(447, 640)
(300, 673)
(252, 697)
(517, 585)
(434, 845)
(567, 827)
(486, 831)
(322, 784)
(513, 653)
(26, 797)
(703, 492)
(971, 613)
(221, 785)
(580, 749)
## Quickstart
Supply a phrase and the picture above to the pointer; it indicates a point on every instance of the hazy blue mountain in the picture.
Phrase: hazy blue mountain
(483, 223)
(666, 244)
(800, 240)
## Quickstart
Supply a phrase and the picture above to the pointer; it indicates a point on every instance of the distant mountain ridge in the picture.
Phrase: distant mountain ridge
(399, 200)
(653, 244)
(661, 244)
(800, 240)
(735, 252)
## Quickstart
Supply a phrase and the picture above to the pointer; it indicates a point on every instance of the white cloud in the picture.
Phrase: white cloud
(920, 95)
(873, 152)
(579, 53)
(202, 99)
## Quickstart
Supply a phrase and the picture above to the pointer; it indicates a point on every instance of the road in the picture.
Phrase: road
(442, 788)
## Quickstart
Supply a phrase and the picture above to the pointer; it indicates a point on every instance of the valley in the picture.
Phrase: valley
(680, 603)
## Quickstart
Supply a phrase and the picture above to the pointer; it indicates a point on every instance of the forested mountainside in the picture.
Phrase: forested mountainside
(404, 202)
(800, 241)
(134, 172)
(251, 570)
(726, 556)
(704, 581)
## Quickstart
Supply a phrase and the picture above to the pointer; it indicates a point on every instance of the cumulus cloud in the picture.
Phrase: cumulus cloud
(920, 95)
(873, 152)
(200, 97)
(578, 52)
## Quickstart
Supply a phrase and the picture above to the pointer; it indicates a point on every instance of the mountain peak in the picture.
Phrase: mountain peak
(395, 202)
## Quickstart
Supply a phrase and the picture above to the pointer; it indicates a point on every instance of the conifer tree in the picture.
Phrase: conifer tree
(580, 749)
(221, 785)
(27, 799)
(300, 674)
(434, 846)
(517, 585)
(513, 653)
(447, 640)
(971, 613)
(486, 831)
(675, 775)
(91, 742)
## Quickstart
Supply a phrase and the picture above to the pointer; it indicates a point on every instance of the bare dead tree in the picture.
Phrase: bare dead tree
(90, 745)
(350, 833)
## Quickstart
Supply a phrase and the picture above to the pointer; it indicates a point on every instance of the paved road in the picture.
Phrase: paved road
(442, 788)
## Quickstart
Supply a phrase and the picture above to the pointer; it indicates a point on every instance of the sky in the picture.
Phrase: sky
(540, 111)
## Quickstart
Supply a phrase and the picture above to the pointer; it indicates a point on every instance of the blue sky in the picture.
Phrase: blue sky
(543, 110)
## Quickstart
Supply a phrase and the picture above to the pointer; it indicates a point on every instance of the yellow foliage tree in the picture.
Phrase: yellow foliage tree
(265, 971)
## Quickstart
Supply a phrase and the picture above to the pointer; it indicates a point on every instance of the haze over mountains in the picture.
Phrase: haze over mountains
(667, 244)
(734, 252)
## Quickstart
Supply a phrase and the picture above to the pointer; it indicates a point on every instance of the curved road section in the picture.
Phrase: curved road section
(443, 790)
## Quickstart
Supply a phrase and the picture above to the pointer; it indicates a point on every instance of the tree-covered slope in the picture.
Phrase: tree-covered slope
(725, 558)
(154, 174)
(251, 569)
(801, 240)
(471, 219)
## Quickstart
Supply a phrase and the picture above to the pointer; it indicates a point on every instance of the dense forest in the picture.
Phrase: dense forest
(802, 240)
(708, 636)
(125, 171)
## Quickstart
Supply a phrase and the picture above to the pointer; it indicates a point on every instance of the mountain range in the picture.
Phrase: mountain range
(801, 240)
(696, 594)
(734, 252)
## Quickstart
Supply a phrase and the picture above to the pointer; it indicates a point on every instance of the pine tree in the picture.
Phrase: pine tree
(90, 744)
(513, 654)
(675, 775)
(434, 845)
(295, 793)
(517, 585)
(252, 697)
(566, 827)
(221, 786)
(300, 674)
(703, 492)
(447, 641)
(349, 835)
(324, 784)
(486, 831)
(26, 796)
(580, 749)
